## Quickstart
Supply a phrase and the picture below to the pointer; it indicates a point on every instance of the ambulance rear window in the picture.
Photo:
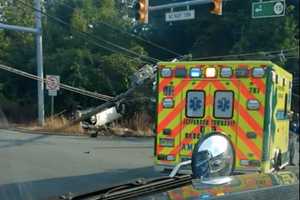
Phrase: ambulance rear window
(195, 103)
(223, 104)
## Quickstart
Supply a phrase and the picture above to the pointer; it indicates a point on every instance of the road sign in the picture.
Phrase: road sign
(52, 82)
(52, 92)
(180, 15)
(265, 9)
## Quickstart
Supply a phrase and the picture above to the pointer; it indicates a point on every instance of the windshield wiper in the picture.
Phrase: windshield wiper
(133, 189)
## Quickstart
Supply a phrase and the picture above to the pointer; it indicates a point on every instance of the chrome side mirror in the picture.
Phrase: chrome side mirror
(213, 156)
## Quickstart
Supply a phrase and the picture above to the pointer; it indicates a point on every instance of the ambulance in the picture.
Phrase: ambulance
(248, 102)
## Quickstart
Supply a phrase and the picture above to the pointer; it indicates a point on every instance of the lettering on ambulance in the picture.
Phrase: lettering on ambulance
(206, 122)
(254, 90)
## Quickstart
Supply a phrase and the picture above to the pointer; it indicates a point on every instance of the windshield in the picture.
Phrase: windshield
(95, 93)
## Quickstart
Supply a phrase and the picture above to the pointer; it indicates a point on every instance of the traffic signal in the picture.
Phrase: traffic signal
(217, 7)
(141, 8)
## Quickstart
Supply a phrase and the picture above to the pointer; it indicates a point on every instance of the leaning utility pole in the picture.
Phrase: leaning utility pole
(39, 55)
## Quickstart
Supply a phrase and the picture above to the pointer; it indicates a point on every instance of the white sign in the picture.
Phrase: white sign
(180, 15)
(52, 82)
(52, 92)
(278, 8)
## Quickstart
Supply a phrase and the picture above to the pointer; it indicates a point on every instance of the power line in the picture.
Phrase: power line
(296, 95)
(247, 54)
(61, 85)
(86, 34)
(292, 57)
(128, 33)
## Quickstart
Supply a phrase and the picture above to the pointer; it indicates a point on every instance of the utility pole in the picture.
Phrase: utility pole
(39, 58)
(39, 55)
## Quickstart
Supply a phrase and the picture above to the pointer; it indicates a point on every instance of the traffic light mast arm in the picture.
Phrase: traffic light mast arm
(179, 4)
(142, 7)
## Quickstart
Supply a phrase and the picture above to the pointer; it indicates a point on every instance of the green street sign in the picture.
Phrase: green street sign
(264, 9)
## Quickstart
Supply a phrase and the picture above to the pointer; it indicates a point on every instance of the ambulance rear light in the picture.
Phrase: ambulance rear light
(226, 72)
(168, 103)
(210, 72)
(167, 131)
(166, 72)
(166, 142)
(252, 163)
(251, 135)
(195, 73)
(168, 90)
(258, 72)
(244, 162)
(166, 157)
(171, 158)
(253, 104)
(242, 72)
(180, 72)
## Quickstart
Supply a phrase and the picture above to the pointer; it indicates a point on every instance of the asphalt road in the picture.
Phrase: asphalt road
(34, 166)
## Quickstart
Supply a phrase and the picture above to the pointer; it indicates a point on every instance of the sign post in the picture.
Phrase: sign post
(266, 9)
(52, 85)
(52, 107)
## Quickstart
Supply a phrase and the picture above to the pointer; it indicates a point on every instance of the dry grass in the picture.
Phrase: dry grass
(53, 126)
(139, 125)
(56, 123)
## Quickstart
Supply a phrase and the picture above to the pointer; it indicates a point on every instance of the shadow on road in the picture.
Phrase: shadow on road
(125, 147)
(43, 189)
(20, 142)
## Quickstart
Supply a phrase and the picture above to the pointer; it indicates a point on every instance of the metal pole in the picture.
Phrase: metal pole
(52, 107)
(39, 54)
(18, 28)
(179, 4)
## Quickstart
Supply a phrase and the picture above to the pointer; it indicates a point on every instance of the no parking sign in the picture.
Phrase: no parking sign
(52, 84)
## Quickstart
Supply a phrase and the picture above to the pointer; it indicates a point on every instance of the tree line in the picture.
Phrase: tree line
(99, 46)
